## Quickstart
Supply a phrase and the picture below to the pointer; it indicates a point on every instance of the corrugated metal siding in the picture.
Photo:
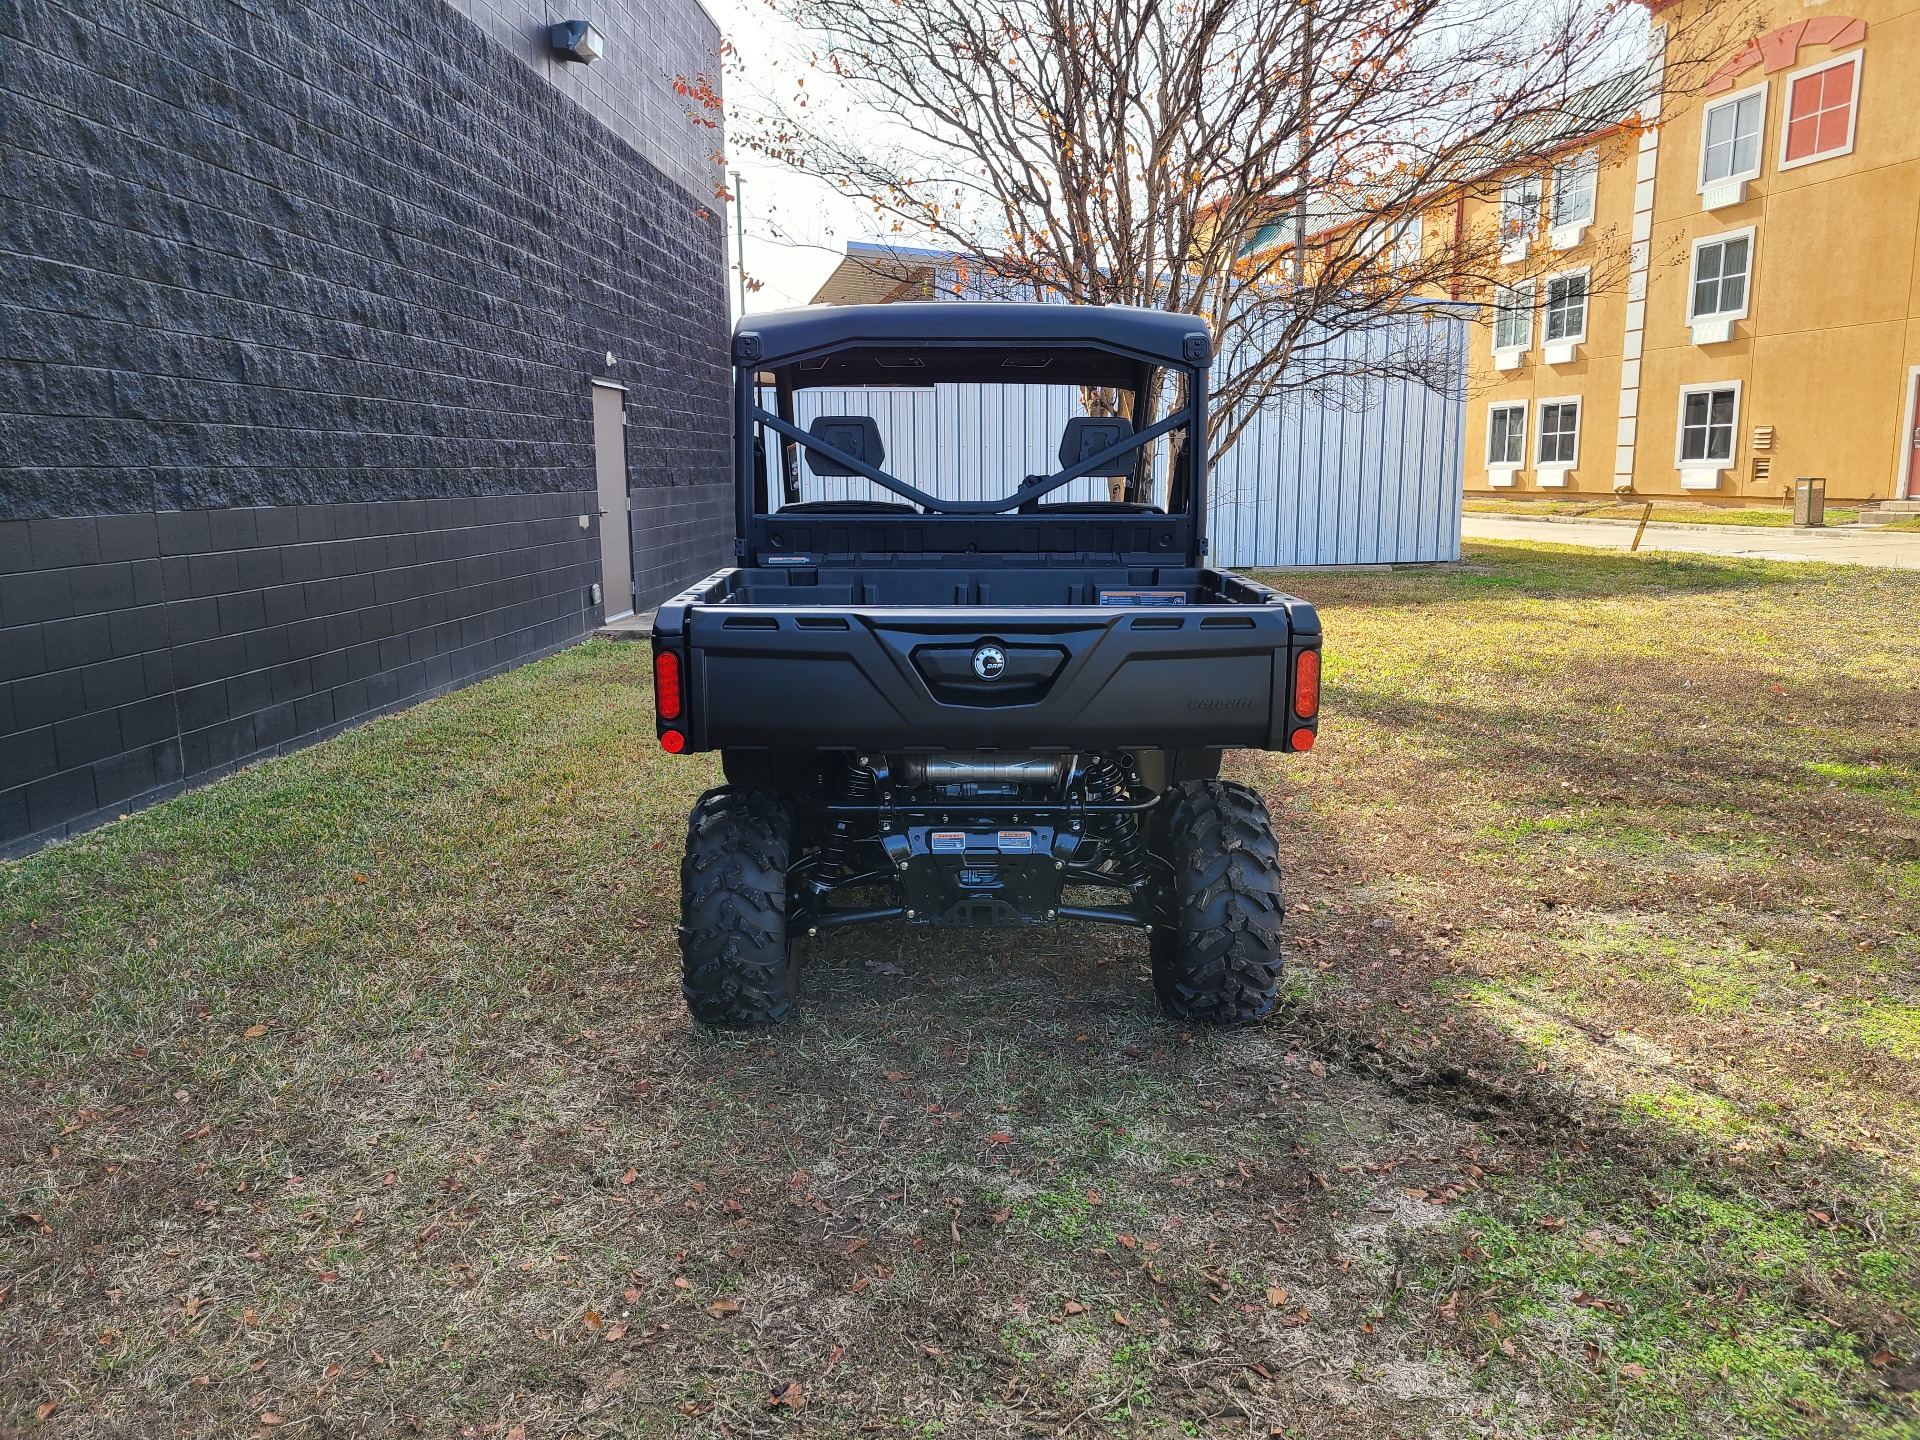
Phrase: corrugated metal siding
(1369, 477)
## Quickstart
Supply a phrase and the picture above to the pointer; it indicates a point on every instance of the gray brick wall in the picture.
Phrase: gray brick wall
(680, 533)
(298, 308)
(145, 651)
(630, 90)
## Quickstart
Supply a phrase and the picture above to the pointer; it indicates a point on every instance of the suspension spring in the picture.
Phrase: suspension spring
(1105, 780)
(857, 786)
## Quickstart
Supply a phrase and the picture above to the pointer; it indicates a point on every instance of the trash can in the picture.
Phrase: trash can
(1810, 500)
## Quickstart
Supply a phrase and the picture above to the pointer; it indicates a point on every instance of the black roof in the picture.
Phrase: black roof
(788, 335)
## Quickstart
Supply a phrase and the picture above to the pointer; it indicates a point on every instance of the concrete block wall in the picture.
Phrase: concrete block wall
(299, 303)
(651, 44)
(686, 532)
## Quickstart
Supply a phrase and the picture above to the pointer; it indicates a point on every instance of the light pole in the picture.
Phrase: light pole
(740, 238)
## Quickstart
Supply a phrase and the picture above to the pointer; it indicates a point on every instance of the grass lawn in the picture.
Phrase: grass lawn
(353, 1095)
(1679, 512)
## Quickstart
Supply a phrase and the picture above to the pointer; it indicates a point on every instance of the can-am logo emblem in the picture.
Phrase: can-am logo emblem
(989, 662)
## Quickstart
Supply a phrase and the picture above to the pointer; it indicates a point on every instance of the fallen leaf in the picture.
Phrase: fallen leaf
(1276, 1297)
(254, 1032)
(267, 1417)
(789, 1393)
(327, 1277)
(856, 1247)
(1551, 1222)
(517, 1432)
(720, 1309)
(591, 1319)
(893, 1076)
(631, 1176)
(835, 1356)
(999, 1137)
(861, 1282)
(46, 1408)
(1127, 1240)
(1000, 1216)
(1317, 1068)
(732, 1207)
(1632, 1372)
(1120, 1320)
(680, 1282)
(615, 1331)
(1074, 1307)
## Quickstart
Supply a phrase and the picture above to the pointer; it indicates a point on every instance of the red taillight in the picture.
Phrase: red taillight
(1302, 739)
(1306, 685)
(666, 685)
(672, 741)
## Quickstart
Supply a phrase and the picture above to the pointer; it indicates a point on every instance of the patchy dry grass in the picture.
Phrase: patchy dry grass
(1675, 512)
(353, 1095)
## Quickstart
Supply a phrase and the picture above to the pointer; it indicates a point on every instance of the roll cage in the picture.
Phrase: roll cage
(885, 345)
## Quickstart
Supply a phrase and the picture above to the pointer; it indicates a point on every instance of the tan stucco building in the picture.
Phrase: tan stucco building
(1721, 295)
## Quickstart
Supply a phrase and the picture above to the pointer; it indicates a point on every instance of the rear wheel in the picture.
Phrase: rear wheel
(1220, 962)
(735, 964)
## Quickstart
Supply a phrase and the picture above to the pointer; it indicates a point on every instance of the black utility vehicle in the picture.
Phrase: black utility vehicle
(970, 700)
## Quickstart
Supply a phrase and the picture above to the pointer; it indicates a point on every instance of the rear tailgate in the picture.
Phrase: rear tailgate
(897, 678)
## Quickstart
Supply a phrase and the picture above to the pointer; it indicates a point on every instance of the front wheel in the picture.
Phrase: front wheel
(1220, 962)
(735, 965)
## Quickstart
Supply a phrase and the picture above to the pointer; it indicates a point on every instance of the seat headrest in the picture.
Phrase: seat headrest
(854, 435)
(1087, 436)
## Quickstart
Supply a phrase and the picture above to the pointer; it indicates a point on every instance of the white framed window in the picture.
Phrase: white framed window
(1823, 101)
(1507, 436)
(1559, 446)
(1393, 245)
(1519, 215)
(1722, 276)
(1513, 318)
(1730, 132)
(1575, 181)
(1708, 416)
(1564, 315)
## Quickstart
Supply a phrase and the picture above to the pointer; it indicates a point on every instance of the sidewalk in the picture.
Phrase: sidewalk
(1897, 551)
(633, 627)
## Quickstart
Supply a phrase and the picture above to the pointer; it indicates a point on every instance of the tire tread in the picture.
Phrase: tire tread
(735, 965)
(1221, 963)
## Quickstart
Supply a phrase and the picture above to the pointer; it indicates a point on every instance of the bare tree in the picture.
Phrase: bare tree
(1258, 162)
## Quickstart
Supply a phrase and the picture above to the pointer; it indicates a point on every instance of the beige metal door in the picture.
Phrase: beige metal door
(610, 465)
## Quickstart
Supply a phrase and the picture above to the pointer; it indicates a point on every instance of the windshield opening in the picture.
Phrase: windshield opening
(974, 442)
